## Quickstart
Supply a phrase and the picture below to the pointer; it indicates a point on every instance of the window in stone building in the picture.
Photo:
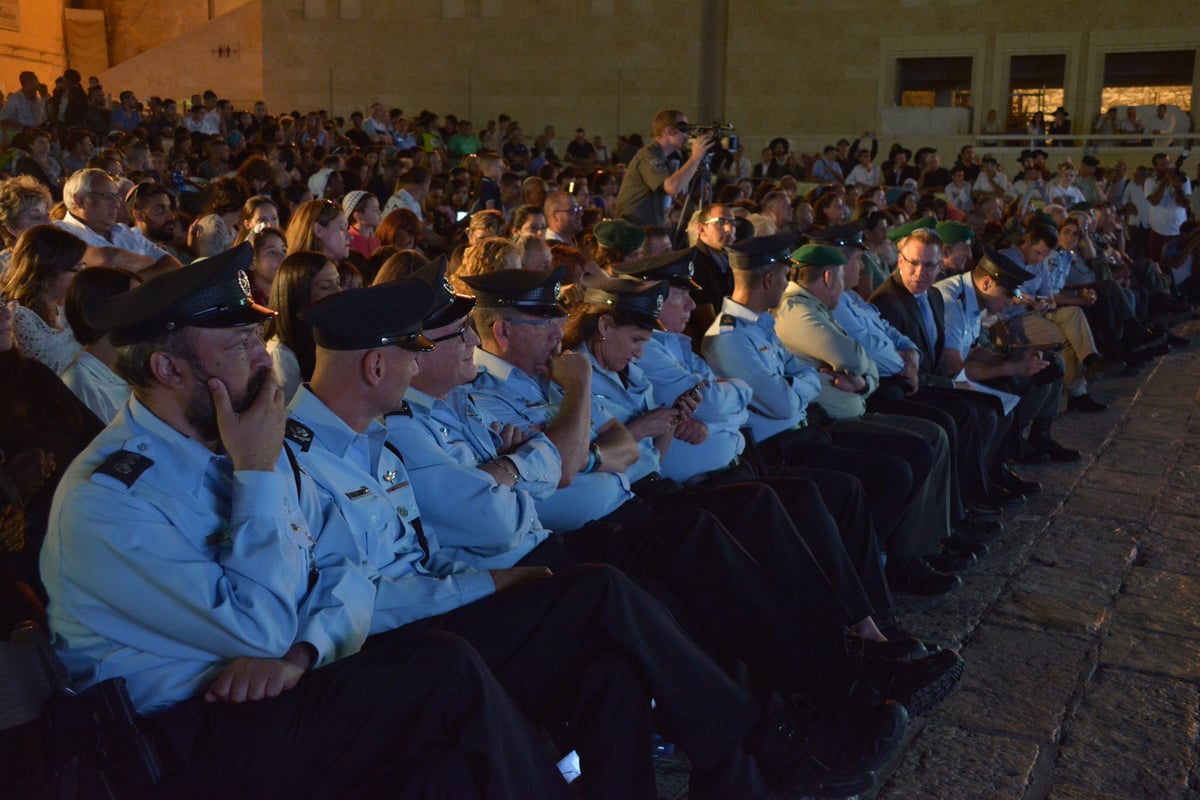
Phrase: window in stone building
(934, 82)
(1149, 78)
(1035, 83)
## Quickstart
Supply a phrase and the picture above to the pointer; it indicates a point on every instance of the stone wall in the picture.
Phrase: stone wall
(38, 46)
(199, 60)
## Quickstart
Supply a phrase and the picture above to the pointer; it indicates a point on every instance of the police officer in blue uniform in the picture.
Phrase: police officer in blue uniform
(181, 558)
(583, 647)
(742, 343)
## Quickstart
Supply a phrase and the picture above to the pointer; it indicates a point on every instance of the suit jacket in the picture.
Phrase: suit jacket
(897, 305)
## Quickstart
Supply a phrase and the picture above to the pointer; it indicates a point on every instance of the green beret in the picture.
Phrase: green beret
(617, 234)
(954, 232)
(900, 231)
(818, 255)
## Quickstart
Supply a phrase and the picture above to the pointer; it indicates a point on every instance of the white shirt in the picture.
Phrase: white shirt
(96, 386)
(121, 237)
(402, 199)
(1166, 218)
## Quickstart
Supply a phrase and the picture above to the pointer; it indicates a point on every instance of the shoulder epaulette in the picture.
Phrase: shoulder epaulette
(405, 410)
(728, 321)
(299, 433)
(124, 465)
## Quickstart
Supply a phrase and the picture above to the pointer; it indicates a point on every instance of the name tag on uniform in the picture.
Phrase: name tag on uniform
(362, 491)
(400, 485)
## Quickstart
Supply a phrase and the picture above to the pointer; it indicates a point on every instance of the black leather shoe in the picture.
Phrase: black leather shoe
(908, 649)
(1015, 483)
(807, 751)
(917, 578)
(946, 561)
(1177, 342)
(957, 543)
(1085, 402)
(978, 531)
(919, 685)
(1055, 451)
(1004, 496)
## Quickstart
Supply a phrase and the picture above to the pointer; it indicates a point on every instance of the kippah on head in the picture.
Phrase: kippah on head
(529, 290)
(760, 252)
(372, 317)
(351, 201)
(639, 301)
(675, 267)
(209, 293)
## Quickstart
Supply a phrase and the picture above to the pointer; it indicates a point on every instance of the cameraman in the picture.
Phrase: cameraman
(1168, 191)
(650, 184)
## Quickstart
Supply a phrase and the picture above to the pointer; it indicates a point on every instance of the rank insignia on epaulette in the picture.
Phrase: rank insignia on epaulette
(405, 410)
(217, 539)
(299, 433)
(727, 321)
(124, 465)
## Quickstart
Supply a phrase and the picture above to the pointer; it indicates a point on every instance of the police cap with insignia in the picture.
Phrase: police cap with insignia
(951, 232)
(675, 267)
(534, 291)
(848, 235)
(1003, 269)
(447, 305)
(900, 231)
(638, 301)
(372, 317)
(209, 293)
(620, 235)
(818, 255)
(760, 251)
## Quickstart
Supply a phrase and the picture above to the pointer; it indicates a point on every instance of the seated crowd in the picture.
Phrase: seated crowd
(389, 458)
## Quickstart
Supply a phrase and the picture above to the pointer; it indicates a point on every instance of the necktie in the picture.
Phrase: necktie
(927, 319)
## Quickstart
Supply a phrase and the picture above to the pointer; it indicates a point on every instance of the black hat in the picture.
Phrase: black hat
(760, 251)
(848, 235)
(210, 293)
(530, 290)
(1006, 271)
(639, 301)
(1091, 161)
(1040, 152)
(1026, 154)
(675, 267)
(447, 306)
(374, 316)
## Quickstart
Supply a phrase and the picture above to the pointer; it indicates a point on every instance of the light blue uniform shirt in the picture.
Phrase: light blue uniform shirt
(624, 400)
(477, 519)
(370, 488)
(163, 564)
(506, 394)
(962, 312)
(1040, 285)
(882, 342)
(673, 368)
(743, 344)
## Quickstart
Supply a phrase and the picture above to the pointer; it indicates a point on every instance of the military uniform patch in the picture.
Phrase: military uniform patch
(728, 321)
(125, 466)
(299, 433)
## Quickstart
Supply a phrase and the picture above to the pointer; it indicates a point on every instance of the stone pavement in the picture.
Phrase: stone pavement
(1081, 631)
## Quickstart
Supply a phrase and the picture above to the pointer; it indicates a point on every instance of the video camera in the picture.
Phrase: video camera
(722, 133)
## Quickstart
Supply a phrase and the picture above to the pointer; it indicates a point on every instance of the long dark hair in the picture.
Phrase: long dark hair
(290, 293)
(41, 254)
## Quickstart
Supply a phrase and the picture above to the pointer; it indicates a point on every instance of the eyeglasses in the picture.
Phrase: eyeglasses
(571, 210)
(461, 333)
(720, 221)
(106, 197)
(928, 266)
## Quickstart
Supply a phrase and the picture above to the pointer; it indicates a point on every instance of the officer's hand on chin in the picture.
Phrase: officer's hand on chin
(252, 438)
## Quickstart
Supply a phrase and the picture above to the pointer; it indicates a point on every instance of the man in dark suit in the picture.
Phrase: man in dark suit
(902, 300)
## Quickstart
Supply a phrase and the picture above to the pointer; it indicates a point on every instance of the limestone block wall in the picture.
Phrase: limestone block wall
(37, 46)
(225, 55)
